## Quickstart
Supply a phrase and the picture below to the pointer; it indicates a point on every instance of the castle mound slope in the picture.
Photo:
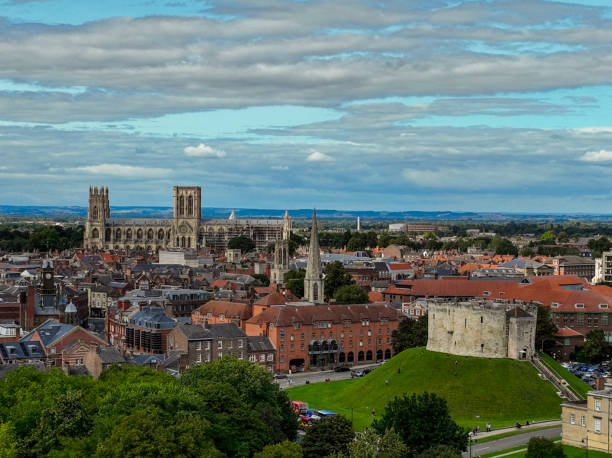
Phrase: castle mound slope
(478, 390)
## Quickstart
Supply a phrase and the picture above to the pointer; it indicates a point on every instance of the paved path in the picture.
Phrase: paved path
(300, 378)
(512, 441)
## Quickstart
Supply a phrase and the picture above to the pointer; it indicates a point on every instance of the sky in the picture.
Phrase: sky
(495, 106)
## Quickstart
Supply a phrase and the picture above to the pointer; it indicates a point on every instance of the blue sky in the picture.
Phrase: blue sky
(499, 105)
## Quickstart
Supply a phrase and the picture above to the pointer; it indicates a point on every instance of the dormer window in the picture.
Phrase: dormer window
(555, 305)
(486, 293)
(603, 306)
(579, 305)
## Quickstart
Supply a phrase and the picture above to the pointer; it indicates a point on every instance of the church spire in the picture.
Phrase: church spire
(313, 281)
(286, 235)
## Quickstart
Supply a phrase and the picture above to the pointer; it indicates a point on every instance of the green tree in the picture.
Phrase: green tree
(8, 441)
(527, 252)
(356, 243)
(545, 328)
(598, 246)
(294, 279)
(243, 243)
(540, 447)
(330, 435)
(351, 294)
(596, 347)
(422, 421)
(255, 387)
(370, 444)
(440, 451)
(263, 278)
(372, 239)
(502, 246)
(284, 449)
(410, 333)
(336, 277)
(548, 237)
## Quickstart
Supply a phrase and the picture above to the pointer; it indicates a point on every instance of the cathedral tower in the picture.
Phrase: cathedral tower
(187, 216)
(97, 212)
(313, 281)
(281, 253)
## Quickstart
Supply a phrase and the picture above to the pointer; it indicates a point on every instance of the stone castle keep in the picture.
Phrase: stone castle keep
(185, 230)
(482, 328)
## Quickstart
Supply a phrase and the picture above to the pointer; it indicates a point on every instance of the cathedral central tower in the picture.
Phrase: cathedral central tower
(313, 281)
(187, 215)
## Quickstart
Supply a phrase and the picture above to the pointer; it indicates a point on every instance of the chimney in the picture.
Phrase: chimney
(600, 383)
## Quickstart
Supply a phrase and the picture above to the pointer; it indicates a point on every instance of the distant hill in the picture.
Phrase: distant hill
(478, 390)
(77, 212)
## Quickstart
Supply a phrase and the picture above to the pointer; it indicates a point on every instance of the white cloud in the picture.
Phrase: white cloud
(597, 156)
(121, 170)
(593, 130)
(279, 167)
(317, 156)
(203, 150)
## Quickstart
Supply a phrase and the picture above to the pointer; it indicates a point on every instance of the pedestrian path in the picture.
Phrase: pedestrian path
(532, 425)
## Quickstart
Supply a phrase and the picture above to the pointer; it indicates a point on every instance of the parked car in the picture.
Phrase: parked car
(357, 373)
(342, 369)
(280, 375)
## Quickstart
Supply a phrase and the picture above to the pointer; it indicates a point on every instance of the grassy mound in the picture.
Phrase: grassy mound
(477, 390)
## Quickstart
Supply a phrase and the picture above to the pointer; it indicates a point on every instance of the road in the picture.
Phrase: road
(512, 441)
(300, 378)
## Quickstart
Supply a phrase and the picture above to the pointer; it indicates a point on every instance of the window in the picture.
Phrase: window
(230, 344)
(198, 345)
(270, 356)
(220, 344)
(581, 319)
(361, 332)
(302, 336)
(572, 419)
(597, 405)
(597, 425)
(253, 358)
(579, 305)
(555, 305)
(240, 343)
(302, 347)
(482, 319)
(291, 337)
(221, 317)
(350, 333)
(369, 332)
(342, 335)
(583, 421)
(350, 343)
(361, 343)
(388, 331)
(262, 358)
(282, 348)
(291, 348)
(604, 319)
(220, 355)
(199, 358)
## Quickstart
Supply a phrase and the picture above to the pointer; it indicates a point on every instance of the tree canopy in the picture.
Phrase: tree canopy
(422, 421)
(294, 279)
(540, 447)
(329, 436)
(228, 407)
(596, 347)
(545, 328)
(243, 243)
(410, 333)
(335, 277)
(351, 294)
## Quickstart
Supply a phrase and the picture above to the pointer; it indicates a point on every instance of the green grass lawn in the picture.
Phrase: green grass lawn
(577, 385)
(570, 452)
(478, 390)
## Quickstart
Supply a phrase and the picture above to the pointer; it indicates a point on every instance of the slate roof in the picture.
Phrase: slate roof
(49, 332)
(21, 350)
(150, 317)
(110, 355)
(225, 331)
(259, 343)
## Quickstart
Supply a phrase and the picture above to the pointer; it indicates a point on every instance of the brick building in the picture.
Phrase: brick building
(323, 336)
(220, 312)
(147, 330)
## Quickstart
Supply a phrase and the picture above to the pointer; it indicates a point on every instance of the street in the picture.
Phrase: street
(300, 378)
(512, 441)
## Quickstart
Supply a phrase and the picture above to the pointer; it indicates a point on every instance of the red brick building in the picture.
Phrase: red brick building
(221, 312)
(324, 336)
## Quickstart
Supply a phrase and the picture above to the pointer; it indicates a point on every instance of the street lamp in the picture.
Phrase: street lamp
(470, 434)
(586, 442)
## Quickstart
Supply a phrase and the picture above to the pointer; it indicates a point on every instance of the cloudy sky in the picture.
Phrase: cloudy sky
(393, 105)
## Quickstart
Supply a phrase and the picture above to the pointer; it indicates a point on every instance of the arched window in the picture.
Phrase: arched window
(379, 355)
(94, 214)
(118, 234)
(350, 357)
(128, 234)
(315, 292)
(107, 234)
(387, 354)
(183, 241)
(160, 234)
(341, 357)
(139, 234)
(181, 205)
(360, 356)
(369, 355)
(190, 206)
(188, 242)
(168, 234)
(95, 233)
(150, 234)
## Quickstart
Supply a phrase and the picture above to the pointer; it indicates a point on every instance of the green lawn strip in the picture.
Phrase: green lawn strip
(511, 433)
(576, 384)
(478, 390)
(570, 452)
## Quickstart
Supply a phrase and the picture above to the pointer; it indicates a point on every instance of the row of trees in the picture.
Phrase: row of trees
(42, 238)
(228, 407)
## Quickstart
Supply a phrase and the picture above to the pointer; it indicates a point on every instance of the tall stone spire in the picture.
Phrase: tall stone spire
(286, 226)
(313, 281)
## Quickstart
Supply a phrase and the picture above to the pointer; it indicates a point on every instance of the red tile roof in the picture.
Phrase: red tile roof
(229, 309)
(568, 332)
(400, 266)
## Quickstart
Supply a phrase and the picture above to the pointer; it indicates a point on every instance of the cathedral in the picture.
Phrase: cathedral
(185, 230)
